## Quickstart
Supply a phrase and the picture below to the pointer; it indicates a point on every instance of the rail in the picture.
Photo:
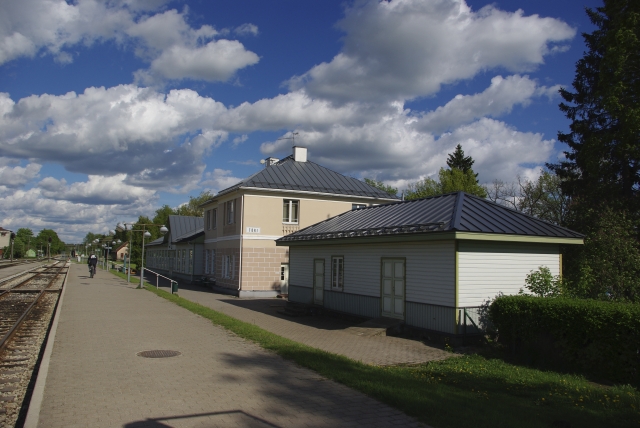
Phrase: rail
(158, 279)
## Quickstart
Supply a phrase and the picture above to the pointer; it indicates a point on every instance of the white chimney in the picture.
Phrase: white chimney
(299, 154)
(269, 161)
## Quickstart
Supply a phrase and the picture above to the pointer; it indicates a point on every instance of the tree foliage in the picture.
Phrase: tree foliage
(603, 161)
(380, 185)
(542, 198)
(449, 180)
(193, 208)
(608, 265)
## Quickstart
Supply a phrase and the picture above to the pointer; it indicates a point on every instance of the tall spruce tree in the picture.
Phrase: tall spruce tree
(602, 165)
(601, 173)
(458, 160)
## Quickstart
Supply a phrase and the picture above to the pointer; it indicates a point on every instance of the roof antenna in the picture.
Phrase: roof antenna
(292, 138)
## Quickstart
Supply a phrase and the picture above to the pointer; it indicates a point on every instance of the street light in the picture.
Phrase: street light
(145, 233)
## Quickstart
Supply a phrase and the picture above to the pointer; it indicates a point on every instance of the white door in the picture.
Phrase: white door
(393, 288)
(318, 281)
(284, 278)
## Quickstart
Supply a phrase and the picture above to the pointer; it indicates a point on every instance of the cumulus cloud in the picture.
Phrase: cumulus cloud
(246, 29)
(497, 99)
(98, 190)
(404, 49)
(17, 177)
(165, 39)
(218, 179)
(393, 150)
(158, 140)
(71, 220)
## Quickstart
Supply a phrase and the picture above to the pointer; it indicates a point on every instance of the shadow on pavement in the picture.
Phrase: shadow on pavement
(270, 307)
(239, 417)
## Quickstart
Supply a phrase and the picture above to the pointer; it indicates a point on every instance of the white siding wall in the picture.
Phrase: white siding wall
(487, 268)
(430, 268)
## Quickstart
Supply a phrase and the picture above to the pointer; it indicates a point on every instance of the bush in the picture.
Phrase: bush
(597, 337)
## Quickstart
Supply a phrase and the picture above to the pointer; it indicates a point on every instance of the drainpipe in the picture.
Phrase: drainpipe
(241, 242)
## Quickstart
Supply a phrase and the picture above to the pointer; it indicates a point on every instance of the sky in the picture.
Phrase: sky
(110, 109)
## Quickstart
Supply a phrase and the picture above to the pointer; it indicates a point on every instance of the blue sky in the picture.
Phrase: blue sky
(110, 109)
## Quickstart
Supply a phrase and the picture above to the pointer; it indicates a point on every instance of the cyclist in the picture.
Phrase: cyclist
(92, 262)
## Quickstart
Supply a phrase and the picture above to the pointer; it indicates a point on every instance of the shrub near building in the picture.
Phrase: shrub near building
(597, 337)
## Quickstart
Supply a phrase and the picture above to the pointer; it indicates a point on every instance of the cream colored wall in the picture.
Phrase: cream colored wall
(486, 268)
(265, 211)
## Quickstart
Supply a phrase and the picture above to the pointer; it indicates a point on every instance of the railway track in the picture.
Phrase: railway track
(27, 304)
(7, 263)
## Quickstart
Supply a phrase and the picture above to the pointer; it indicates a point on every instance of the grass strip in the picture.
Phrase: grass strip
(485, 392)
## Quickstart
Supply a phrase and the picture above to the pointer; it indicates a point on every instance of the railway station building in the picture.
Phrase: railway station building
(242, 222)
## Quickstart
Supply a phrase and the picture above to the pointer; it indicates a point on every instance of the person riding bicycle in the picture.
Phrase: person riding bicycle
(92, 262)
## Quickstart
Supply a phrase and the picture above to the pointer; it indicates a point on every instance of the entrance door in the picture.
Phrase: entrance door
(318, 281)
(284, 278)
(393, 288)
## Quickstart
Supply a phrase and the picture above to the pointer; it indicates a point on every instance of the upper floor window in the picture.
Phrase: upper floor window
(358, 206)
(231, 210)
(214, 218)
(290, 210)
(207, 219)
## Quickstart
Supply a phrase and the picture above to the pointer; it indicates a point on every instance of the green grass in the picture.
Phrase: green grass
(457, 392)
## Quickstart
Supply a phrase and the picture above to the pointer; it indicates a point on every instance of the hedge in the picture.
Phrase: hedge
(598, 337)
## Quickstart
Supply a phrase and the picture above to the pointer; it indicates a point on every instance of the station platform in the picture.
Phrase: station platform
(94, 376)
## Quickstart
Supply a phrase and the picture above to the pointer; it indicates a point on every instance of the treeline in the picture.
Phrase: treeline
(25, 241)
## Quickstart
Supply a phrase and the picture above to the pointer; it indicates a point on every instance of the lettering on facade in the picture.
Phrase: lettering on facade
(253, 230)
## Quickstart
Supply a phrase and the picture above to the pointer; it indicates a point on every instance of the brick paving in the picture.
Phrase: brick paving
(331, 335)
(95, 378)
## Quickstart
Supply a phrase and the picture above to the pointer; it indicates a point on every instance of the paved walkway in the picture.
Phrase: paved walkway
(326, 333)
(95, 378)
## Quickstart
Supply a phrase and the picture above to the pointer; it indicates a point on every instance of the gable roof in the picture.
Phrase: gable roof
(180, 227)
(459, 212)
(287, 174)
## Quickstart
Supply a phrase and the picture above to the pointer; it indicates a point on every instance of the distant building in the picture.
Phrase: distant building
(5, 239)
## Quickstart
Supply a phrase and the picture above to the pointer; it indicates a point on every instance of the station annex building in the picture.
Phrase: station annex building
(236, 250)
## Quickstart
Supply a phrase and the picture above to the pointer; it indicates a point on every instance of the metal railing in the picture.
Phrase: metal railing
(158, 276)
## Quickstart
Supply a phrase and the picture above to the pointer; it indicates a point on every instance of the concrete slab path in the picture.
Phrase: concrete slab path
(95, 378)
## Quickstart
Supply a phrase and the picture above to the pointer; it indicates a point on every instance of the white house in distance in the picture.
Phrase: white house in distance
(429, 262)
(243, 221)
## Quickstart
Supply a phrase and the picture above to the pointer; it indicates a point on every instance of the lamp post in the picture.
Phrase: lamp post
(145, 233)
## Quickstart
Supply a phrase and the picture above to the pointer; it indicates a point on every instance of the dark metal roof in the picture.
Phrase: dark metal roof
(190, 236)
(158, 241)
(445, 213)
(181, 227)
(287, 174)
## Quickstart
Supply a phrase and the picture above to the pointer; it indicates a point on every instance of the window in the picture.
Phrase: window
(231, 218)
(228, 266)
(358, 206)
(206, 261)
(214, 218)
(337, 272)
(207, 219)
(213, 263)
(190, 261)
(290, 211)
(184, 261)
